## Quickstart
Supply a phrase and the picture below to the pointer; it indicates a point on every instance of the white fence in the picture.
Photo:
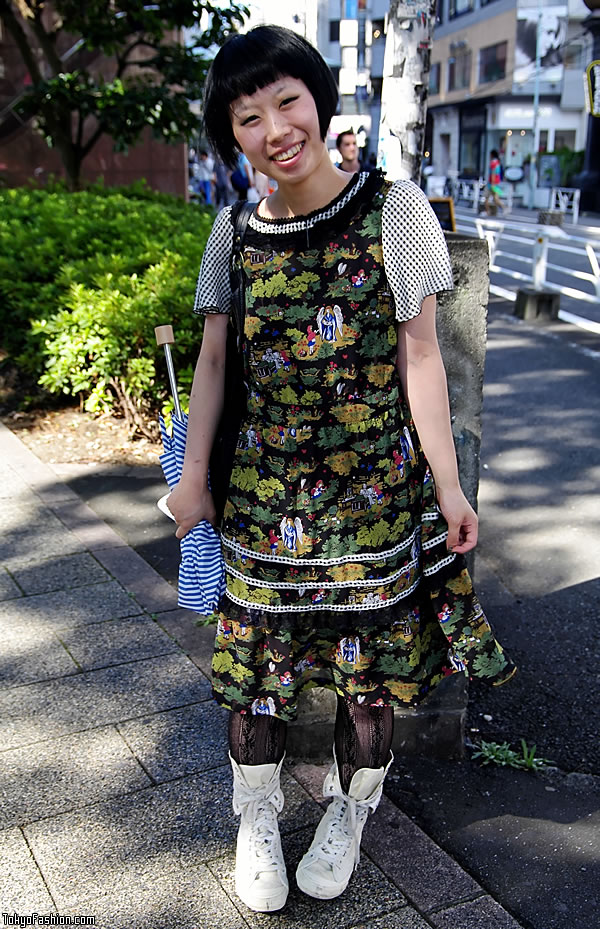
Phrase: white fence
(566, 200)
(493, 230)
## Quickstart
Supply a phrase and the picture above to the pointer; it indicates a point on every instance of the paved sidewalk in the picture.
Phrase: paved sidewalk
(114, 778)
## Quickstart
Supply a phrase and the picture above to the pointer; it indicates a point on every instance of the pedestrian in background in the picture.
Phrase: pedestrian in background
(495, 177)
(347, 146)
(345, 527)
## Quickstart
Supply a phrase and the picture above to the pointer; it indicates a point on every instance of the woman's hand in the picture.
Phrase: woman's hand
(461, 518)
(189, 505)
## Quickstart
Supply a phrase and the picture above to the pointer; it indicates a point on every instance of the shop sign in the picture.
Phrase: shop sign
(592, 88)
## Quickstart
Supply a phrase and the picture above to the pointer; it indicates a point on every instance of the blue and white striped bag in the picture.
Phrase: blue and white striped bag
(202, 569)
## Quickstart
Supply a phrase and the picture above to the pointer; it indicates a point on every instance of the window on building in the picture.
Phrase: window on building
(564, 138)
(492, 63)
(378, 30)
(376, 87)
(458, 7)
(334, 30)
(572, 55)
(459, 70)
(434, 79)
(439, 11)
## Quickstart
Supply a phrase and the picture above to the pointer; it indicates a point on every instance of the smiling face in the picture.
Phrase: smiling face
(277, 128)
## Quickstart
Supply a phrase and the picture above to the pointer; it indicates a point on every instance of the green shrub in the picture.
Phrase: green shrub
(84, 279)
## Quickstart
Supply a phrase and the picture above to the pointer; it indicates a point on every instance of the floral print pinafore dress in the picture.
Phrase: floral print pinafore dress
(337, 568)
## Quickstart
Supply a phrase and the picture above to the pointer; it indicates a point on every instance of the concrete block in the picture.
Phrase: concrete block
(35, 537)
(179, 742)
(116, 641)
(427, 875)
(64, 774)
(406, 918)
(369, 895)
(149, 588)
(64, 609)
(60, 573)
(184, 901)
(551, 217)
(537, 304)
(462, 331)
(30, 654)
(435, 729)
(128, 843)
(196, 641)
(36, 712)
(22, 887)
(86, 526)
(8, 589)
(483, 913)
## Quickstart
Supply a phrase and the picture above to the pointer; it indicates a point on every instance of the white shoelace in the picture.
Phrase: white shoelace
(264, 835)
(341, 832)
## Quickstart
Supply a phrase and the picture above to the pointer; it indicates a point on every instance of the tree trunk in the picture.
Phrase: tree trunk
(405, 88)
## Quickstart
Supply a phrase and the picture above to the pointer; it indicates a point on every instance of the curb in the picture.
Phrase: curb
(434, 884)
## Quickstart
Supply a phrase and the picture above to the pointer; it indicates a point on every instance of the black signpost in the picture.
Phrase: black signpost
(443, 207)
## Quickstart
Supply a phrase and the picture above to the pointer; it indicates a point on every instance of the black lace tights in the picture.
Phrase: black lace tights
(363, 737)
(256, 739)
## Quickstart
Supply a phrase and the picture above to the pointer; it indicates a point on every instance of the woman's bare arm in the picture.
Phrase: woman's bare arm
(423, 377)
(191, 500)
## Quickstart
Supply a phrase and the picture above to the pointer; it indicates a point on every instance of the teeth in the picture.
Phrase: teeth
(285, 156)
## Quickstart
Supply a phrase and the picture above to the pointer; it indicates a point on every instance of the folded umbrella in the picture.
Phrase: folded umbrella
(202, 569)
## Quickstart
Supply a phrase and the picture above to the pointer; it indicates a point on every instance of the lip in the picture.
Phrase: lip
(290, 161)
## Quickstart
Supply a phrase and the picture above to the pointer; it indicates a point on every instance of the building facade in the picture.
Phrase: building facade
(483, 77)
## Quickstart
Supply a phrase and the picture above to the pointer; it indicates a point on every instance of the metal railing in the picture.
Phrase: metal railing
(493, 230)
(566, 200)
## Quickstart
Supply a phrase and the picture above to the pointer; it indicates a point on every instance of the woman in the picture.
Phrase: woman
(345, 526)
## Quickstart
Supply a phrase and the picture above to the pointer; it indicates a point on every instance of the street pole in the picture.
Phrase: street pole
(533, 172)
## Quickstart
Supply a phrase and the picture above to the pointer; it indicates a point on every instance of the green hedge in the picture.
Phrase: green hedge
(84, 279)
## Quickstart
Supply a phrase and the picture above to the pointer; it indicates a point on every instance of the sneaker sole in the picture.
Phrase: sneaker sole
(325, 894)
(265, 905)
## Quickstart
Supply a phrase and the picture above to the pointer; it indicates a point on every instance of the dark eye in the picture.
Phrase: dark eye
(288, 100)
(248, 120)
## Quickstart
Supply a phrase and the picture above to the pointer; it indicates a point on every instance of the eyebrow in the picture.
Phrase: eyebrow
(243, 107)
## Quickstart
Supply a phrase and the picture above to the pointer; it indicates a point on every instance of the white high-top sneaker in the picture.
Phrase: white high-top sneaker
(328, 865)
(260, 876)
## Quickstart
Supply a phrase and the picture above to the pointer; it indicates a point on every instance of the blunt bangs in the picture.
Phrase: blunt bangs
(247, 63)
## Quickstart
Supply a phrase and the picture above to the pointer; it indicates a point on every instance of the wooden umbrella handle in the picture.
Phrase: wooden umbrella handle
(164, 335)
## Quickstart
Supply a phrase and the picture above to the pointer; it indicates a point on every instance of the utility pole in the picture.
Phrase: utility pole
(405, 88)
(533, 171)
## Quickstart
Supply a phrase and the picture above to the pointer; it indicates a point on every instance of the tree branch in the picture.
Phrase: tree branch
(15, 28)
(46, 41)
(86, 149)
(122, 61)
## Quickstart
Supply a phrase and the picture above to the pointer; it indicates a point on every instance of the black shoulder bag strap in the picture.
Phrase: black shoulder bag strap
(241, 212)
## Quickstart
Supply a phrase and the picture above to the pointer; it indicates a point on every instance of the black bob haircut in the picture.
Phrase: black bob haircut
(247, 63)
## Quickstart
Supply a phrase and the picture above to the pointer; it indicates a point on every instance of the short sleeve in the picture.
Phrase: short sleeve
(213, 291)
(415, 254)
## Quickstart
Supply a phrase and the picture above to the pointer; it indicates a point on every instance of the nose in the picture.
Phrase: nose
(277, 126)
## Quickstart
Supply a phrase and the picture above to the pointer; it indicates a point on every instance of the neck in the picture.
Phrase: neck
(298, 199)
(350, 166)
